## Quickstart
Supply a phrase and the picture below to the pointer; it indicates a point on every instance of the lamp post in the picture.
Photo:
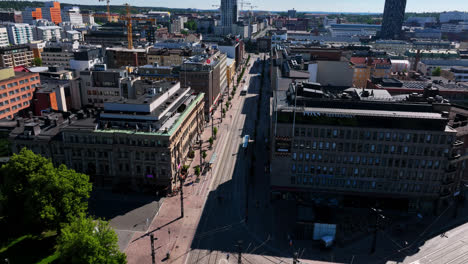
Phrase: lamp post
(182, 180)
(374, 238)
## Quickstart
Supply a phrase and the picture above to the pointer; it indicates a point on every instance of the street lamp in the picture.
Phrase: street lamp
(182, 177)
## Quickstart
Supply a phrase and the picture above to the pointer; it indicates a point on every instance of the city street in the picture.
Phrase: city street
(175, 234)
(229, 209)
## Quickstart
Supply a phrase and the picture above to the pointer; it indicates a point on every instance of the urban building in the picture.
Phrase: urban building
(11, 16)
(19, 33)
(460, 73)
(100, 85)
(37, 47)
(455, 16)
(88, 17)
(86, 57)
(16, 91)
(359, 149)
(234, 49)
(139, 143)
(51, 11)
(14, 56)
(393, 17)
(230, 72)
(292, 13)
(158, 73)
(47, 33)
(49, 98)
(397, 47)
(229, 15)
(456, 93)
(424, 33)
(31, 14)
(57, 55)
(206, 74)
(350, 30)
(365, 68)
(72, 14)
(4, 37)
(421, 21)
(121, 57)
(168, 57)
(417, 56)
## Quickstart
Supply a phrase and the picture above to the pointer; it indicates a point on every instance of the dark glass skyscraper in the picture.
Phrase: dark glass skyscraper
(394, 14)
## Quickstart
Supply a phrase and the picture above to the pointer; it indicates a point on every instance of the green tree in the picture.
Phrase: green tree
(190, 25)
(38, 196)
(437, 71)
(37, 62)
(211, 141)
(215, 131)
(86, 240)
(204, 155)
(197, 170)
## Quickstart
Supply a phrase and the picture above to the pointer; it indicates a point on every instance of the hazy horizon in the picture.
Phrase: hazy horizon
(336, 6)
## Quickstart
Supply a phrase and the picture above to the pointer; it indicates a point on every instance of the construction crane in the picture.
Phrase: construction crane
(242, 3)
(108, 9)
(128, 19)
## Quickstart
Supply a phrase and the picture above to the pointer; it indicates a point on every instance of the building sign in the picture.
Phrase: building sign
(283, 145)
(316, 114)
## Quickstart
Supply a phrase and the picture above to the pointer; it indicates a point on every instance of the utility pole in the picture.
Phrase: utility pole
(239, 248)
(153, 254)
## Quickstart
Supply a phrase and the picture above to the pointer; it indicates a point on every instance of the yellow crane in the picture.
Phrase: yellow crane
(128, 18)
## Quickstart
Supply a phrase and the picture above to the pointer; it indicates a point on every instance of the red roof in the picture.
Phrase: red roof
(21, 69)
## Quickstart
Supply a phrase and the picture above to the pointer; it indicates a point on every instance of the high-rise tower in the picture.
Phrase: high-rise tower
(393, 17)
(229, 12)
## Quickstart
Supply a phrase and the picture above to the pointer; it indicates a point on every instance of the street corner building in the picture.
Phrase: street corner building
(137, 143)
(356, 146)
(361, 147)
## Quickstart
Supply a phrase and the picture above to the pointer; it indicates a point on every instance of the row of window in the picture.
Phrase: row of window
(368, 148)
(13, 108)
(364, 185)
(144, 156)
(105, 93)
(122, 141)
(376, 161)
(373, 135)
(13, 84)
(364, 172)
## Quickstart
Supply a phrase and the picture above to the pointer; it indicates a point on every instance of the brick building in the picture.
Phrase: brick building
(16, 91)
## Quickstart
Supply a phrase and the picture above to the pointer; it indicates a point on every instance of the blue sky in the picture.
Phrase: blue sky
(303, 5)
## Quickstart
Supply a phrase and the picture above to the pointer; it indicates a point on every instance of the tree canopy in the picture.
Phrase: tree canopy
(85, 240)
(190, 25)
(437, 71)
(38, 196)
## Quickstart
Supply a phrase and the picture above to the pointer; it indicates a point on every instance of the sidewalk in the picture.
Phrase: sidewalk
(175, 234)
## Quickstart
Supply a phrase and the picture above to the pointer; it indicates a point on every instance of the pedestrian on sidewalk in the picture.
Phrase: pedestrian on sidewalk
(227, 256)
